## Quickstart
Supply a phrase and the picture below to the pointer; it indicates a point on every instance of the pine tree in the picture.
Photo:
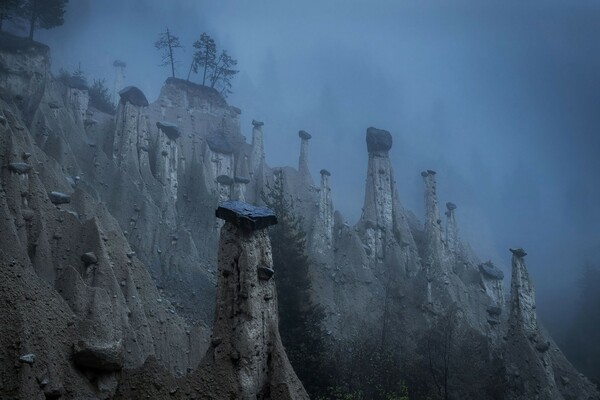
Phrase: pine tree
(223, 72)
(167, 43)
(45, 14)
(300, 319)
(204, 56)
(8, 9)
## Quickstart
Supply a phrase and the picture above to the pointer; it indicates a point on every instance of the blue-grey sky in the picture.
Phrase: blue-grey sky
(502, 99)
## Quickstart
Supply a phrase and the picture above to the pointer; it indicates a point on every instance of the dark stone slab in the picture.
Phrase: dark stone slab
(518, 252)
(246, 215)
(19, 167)
(491, 271)
(325, 172)
(378, 140)
(170, 129)
(219, 144)
(134, 96)
(224, 180)
(241, 179)
(304, 135)
(450, 206)
(257, 124)
(59, 198)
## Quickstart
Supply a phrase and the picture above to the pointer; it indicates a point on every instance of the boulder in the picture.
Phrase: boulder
(491, 271)
(257, 124)
(224, 180)
(450, 206)
(378, 140)
(170, 129)
(133, 95)
(325, 172)
(219, 144)
(104, 357)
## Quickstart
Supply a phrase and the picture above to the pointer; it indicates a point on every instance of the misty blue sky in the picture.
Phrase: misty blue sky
(502, 99)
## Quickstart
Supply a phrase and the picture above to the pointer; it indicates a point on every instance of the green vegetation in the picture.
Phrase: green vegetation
(300, 318)
(100, 97)
(98, 92)
(218, 70)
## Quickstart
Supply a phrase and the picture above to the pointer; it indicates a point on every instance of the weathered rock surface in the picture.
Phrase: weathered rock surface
(535, 367)
(246, 359)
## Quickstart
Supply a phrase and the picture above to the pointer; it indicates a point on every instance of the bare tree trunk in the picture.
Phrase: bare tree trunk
(205, 67)
(171, 53)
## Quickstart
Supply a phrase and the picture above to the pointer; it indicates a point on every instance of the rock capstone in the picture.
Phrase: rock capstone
(170, 129)
(133, 95)
(378, 140)
(246, 216)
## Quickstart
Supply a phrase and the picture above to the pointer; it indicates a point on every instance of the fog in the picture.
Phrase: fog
(502, 99)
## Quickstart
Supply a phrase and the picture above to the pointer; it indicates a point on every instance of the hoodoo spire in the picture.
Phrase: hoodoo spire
(303, 160)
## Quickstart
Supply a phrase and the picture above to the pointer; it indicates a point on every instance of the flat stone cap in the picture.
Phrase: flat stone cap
(425, 174)
(378, 140)
(450, 206)
(134, 96)
(304, 135)
(245, 215)
(257, 124)
(170, 129)
(219, 144)
(491, 271)
(241, 179)
(325, 172)
(119, 63)
(518, 252)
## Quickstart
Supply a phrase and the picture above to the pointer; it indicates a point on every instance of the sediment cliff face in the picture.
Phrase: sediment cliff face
(109, 240)
(535, 366)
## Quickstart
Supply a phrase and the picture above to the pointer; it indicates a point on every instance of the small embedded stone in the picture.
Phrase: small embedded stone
(542, 347)
(494, 310)
(27, 358)
(59, 198)
(19, 167)
(265, 273)
(89, 258)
